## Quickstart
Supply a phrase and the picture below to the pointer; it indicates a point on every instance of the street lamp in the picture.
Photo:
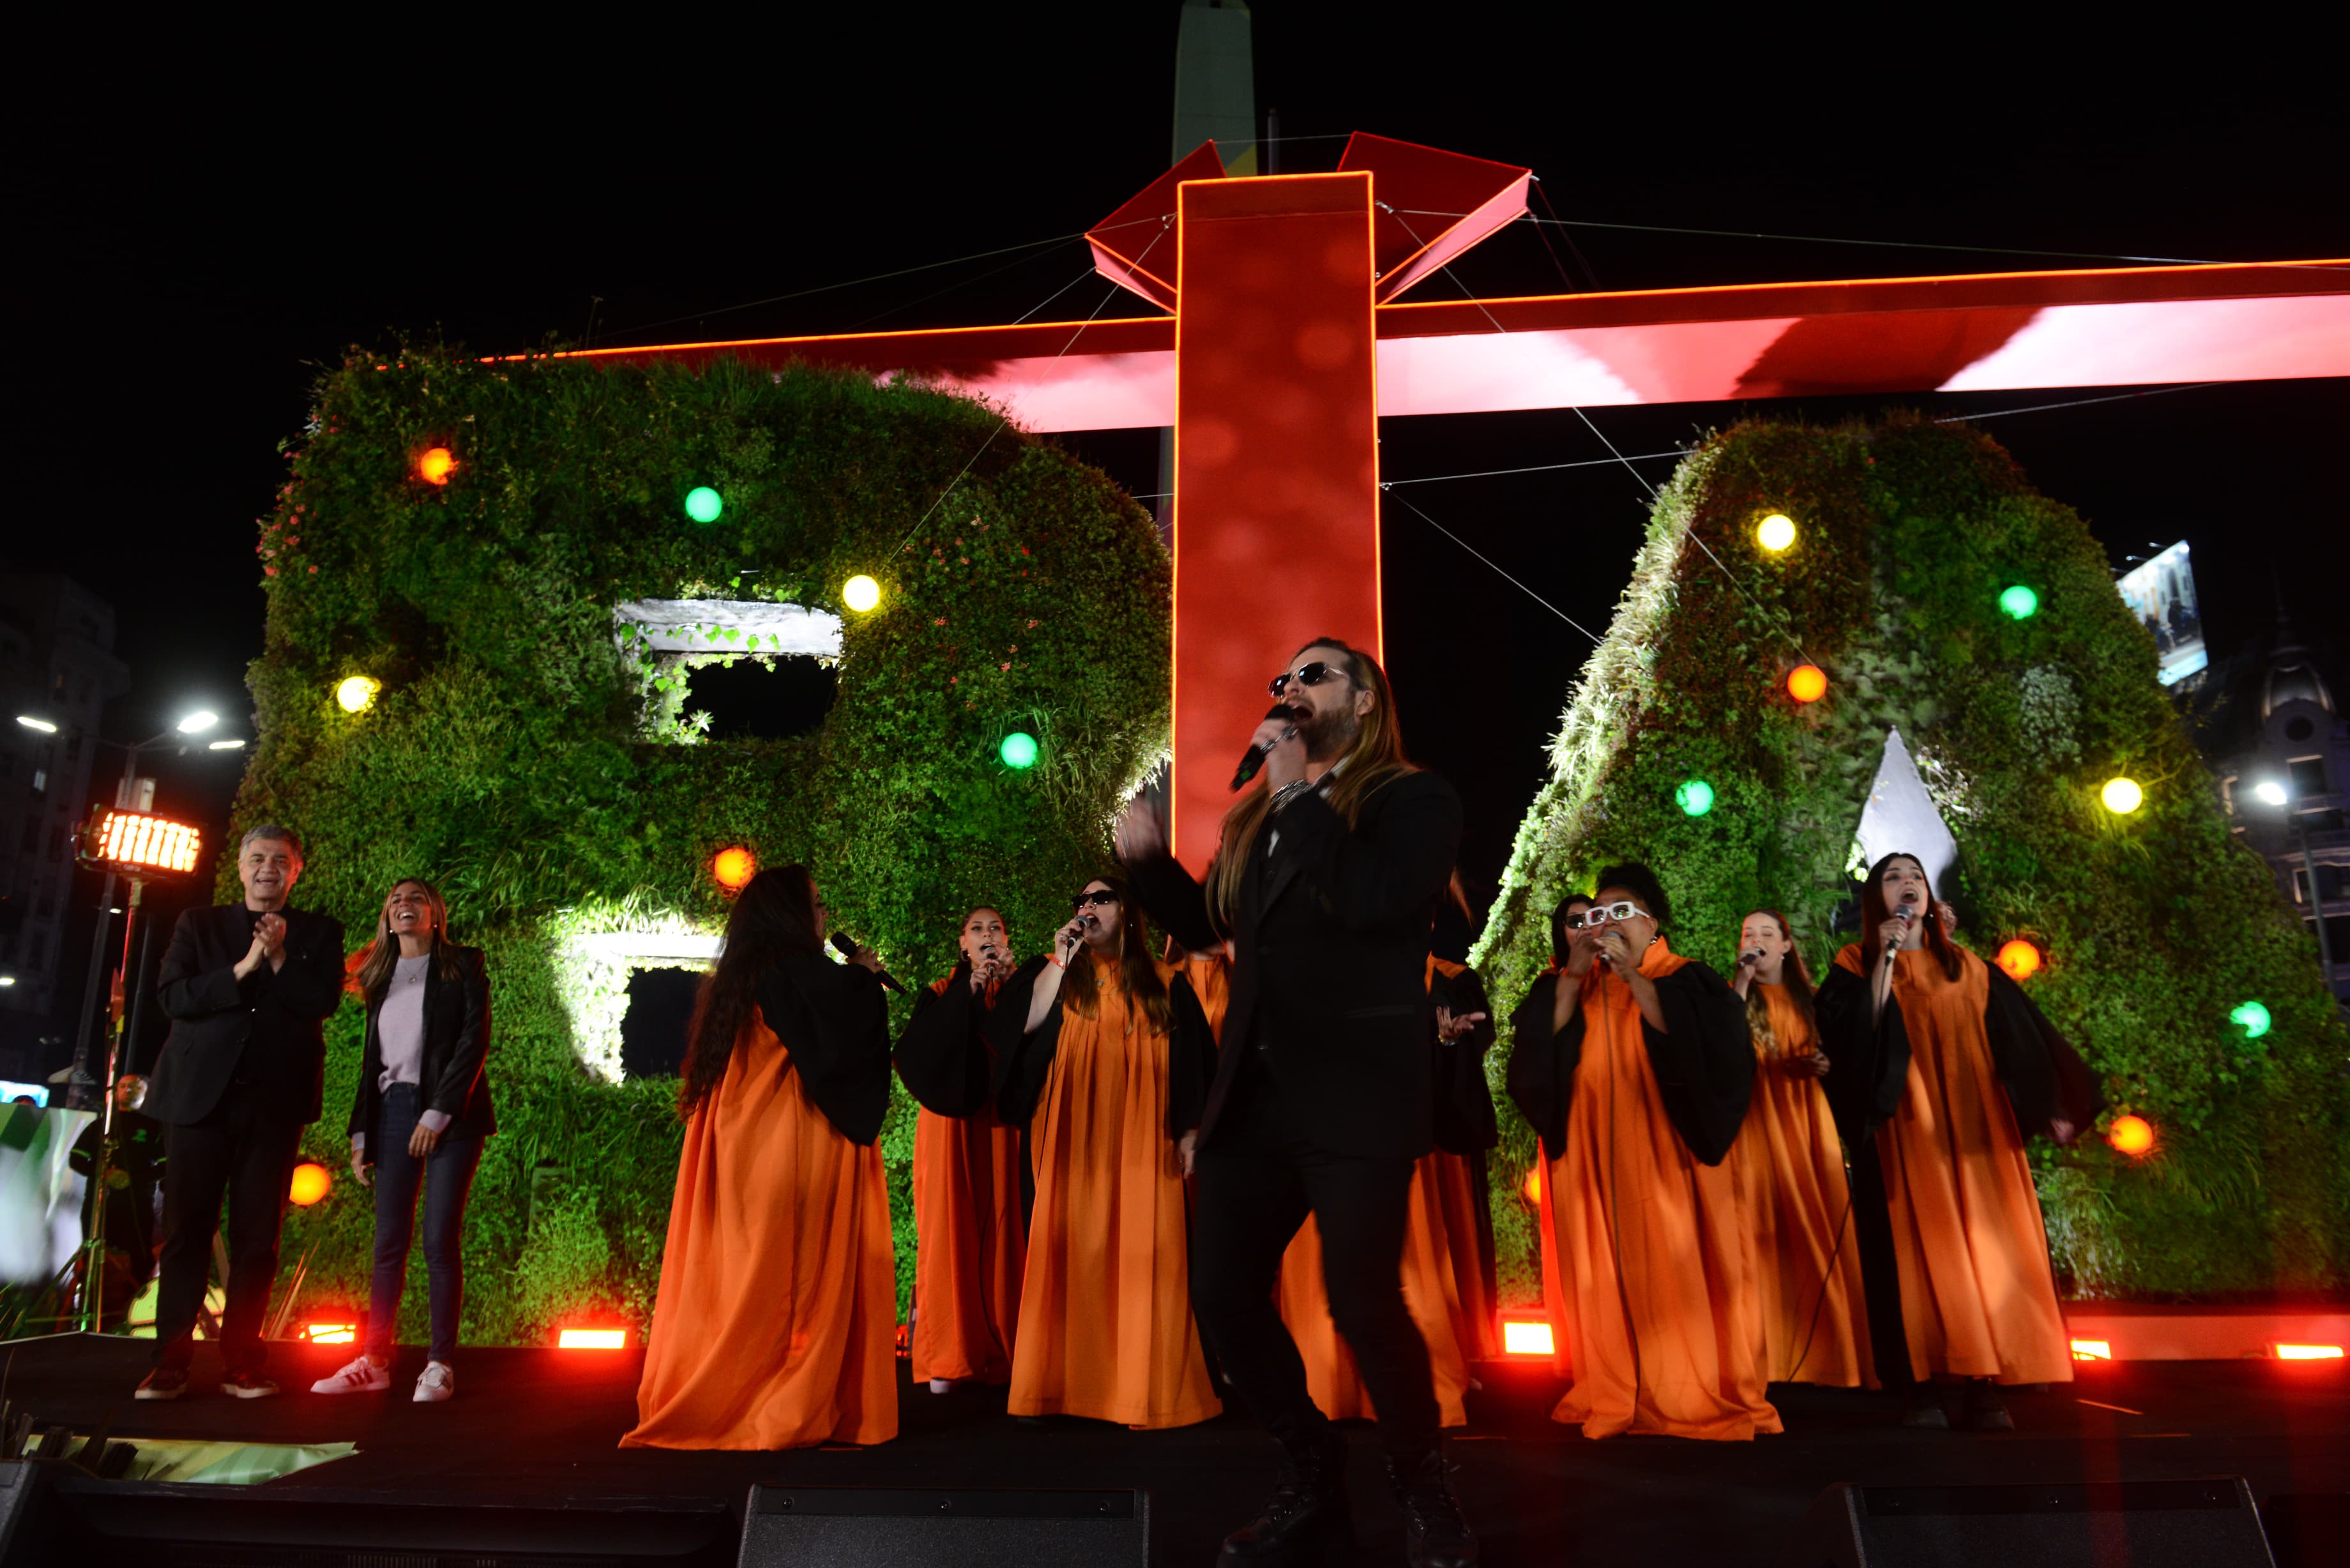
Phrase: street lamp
(2273, 791)
(81, 1094)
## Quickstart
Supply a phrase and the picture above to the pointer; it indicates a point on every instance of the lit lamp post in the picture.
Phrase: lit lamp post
(81, 1092)
(2270, 791)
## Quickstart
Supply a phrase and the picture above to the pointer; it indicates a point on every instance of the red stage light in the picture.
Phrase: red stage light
(2092, 1350)
(2309, 1353)
(592, 1339)
(2019, 959)
(311, 1182)
(436, 465)
(2134, 1135)
(734, 869)
(1807, 684)
(137, 843)
(1525, 1332)
(335, 1332)
(1531, 1187)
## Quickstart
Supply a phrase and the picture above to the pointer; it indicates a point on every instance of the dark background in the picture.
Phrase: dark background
(202, 221)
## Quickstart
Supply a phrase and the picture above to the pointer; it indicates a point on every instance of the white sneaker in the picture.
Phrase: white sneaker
(361, 1376)
(437, 1382)
(941, 1386)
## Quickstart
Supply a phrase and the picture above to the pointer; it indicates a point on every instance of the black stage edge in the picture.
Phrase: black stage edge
(531, 1427)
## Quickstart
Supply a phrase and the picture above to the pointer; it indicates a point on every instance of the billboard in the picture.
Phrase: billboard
(2160, 592)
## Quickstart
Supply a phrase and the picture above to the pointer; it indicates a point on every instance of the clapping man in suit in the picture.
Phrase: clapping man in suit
(247, 987)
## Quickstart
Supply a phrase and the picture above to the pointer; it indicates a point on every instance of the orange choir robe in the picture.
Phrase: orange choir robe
(775, 1327)
(1978, 1293)
(1790, 1168)
(1106, 1327)
(969, 1246)
(1667, 1343)
(1455, 1179)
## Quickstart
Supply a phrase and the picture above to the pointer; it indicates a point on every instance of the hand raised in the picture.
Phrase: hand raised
(1138, 833)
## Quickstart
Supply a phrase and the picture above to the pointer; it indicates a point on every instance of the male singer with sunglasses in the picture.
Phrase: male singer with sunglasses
(1324, 881)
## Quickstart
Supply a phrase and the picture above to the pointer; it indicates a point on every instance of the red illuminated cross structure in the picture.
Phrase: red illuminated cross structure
(1285, 345)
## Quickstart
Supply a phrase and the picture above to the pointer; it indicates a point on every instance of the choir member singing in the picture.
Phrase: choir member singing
(775, 1325)
(1324, 882)
(1633, 1064)
(970, 1236)
(1943, 1067)
(1791, 1170)
(1108, 1050)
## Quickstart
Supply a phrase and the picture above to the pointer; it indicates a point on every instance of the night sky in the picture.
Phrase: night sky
(192, 245)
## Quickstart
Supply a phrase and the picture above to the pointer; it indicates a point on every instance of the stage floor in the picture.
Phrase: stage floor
(544, 1421)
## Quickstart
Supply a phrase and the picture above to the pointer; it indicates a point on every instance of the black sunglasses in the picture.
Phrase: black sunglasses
(1104, 896)
(1313, 674)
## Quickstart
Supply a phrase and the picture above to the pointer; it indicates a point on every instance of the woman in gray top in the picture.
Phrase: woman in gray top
(418, 1117)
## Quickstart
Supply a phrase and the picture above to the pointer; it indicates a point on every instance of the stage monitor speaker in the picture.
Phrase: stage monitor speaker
(2208, 1522)
(869, 1527)
(16, 1490)
(92, 1523)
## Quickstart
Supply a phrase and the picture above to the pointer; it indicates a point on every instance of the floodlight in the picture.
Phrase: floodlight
(197, 722)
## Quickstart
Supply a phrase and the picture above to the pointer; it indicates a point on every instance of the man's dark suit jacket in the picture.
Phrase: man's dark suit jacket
(1330, 962)
(450, 1079)
(264, 1029)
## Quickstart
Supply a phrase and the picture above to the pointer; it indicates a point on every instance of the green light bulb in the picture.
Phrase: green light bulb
(1696, 796)
(2019, 602)
(1019, 750)
(702, 504)
(2252, 1018)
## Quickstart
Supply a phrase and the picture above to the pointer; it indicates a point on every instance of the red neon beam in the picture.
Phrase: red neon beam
(1986, 332)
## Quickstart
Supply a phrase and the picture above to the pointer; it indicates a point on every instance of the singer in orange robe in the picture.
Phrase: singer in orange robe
(1937, 1091)
(1466, 1132)
(1790, 1168)
(776, 1325)
(1636, 1112)
(1109, 1080)
(971, 1241)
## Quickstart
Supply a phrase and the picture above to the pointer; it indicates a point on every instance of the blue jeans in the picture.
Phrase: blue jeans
(447, 1176)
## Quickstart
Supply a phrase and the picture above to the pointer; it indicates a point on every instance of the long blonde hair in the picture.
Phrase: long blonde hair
(1375, 758)
(372, 976)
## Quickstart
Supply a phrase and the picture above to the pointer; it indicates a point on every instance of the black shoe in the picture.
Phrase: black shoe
(1985, 1411)
(1434, 1533)
(1307, 1515)
(1926, 1410)
(248, 1386)
(162, 1383)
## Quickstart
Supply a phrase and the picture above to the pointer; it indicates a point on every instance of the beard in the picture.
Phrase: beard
(1327, 735)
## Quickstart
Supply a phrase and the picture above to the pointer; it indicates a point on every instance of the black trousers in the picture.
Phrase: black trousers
(1256, 1185)
(244, 1152)
(1880, 1273)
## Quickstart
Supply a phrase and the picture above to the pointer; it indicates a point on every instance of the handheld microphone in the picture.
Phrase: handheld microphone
(1254, 758)
(847, 950)
(1752, 955)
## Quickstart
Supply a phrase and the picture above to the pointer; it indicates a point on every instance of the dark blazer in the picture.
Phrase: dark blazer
(452, 1079)
(272, 1016)
(1329, 981)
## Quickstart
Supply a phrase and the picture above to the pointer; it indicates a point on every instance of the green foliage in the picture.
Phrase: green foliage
(546, 772)
(2156, 925)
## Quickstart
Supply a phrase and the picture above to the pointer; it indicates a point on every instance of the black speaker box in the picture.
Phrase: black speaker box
(91, 1523)
(16, 1501)
(866, 1527)
(2203, 1523)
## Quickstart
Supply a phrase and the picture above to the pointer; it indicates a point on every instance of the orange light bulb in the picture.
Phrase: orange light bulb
(436, 465)
(1531, 1189)
(2133, 1136)
(1807, 684)
(2019, 959)
(734, 869)
(311, 1182)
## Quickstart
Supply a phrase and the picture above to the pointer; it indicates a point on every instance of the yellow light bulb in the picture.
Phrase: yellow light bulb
(356, 693)
(1776, 532)
(860, 593)
(2122, 796)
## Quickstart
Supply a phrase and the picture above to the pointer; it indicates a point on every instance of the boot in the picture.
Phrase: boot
(1305, 1517)
(1985, 1410)
(1926, 1408)
(1434, 1533)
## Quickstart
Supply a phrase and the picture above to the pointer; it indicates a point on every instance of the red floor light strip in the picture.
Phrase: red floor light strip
(592, 1339)
(331, 1332)
(2309, 1353)
(2092, 1350)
